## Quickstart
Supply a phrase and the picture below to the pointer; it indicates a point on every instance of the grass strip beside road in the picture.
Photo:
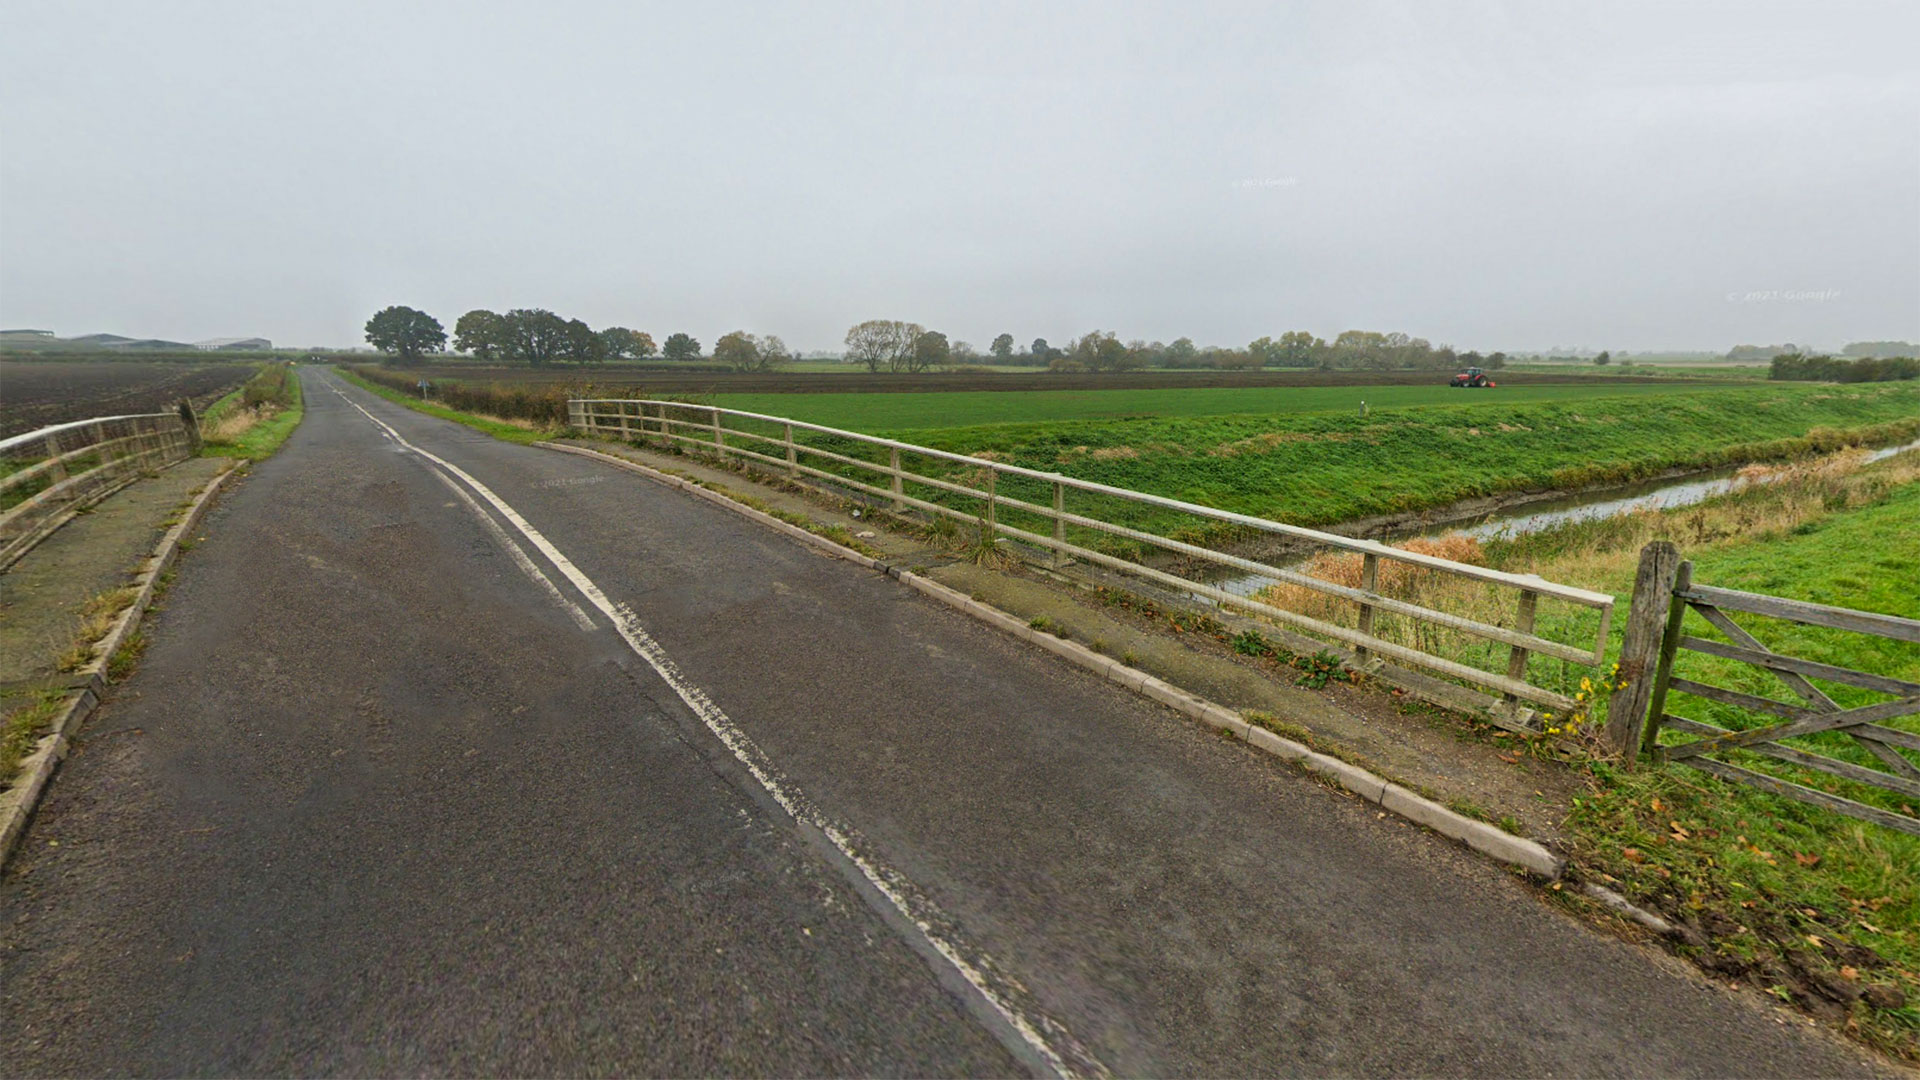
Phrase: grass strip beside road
(252, 421)
(499, 429)
(1811, 906)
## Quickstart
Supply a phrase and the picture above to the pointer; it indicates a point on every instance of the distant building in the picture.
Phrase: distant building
(27, 333)
(250, 344)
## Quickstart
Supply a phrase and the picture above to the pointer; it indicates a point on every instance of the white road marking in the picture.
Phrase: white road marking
(888, 882)
(515, 551)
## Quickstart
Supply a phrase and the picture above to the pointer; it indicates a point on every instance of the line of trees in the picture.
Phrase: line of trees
(895, 345)
(1796, 367)
(538, 337)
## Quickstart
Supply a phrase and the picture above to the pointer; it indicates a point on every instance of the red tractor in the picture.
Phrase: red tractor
(1473, 378)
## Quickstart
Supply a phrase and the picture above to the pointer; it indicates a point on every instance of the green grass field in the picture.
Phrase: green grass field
(1788, 893)
(899, 412)
(1319, 468)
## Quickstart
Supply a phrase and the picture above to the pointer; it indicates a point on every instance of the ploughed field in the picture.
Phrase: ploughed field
(34, 394)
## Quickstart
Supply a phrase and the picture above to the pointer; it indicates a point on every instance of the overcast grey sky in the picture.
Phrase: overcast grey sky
(1486, 175)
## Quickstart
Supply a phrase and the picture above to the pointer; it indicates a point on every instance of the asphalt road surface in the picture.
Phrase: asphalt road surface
(454, 756)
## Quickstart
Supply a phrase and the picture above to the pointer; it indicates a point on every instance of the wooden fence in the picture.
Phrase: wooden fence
(985, 492)
(1856, 744)
(60, 470)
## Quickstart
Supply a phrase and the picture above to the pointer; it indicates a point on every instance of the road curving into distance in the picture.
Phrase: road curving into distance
(456, 756)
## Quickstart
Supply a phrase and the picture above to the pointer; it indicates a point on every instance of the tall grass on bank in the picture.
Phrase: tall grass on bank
(542, 404)
(254, 420)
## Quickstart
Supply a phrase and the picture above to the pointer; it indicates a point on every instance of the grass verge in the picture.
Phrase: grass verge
(1810, 906)
(255, 419)
(522, 432)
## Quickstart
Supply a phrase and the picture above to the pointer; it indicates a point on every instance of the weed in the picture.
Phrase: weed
(1318, 670)
(23, 727)
(127, 656)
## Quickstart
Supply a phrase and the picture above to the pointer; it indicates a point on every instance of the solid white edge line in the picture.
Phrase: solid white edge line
(749, 755)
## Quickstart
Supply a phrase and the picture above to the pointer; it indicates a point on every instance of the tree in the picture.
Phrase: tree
(533, 336)
(1042, 351)
(1297, 348)
(870, 343)
(681, 347)
(1265, 350)
(738, 350)
(1181, 353)
(773, 353)
(742, 351)
(620, 343)
(580, 344)
(406, 333)
(1604, 358)
(478, 332)
(885, 342)
(930, 350)
(1002, 348)
(1101, 350)
(963, 354)
(1495, 361)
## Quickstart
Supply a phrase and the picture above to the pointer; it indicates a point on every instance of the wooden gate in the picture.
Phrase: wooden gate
(1882, 754)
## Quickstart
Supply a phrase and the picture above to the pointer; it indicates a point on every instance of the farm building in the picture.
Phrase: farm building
(256, 344)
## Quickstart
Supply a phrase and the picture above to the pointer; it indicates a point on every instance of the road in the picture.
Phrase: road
(455, 756)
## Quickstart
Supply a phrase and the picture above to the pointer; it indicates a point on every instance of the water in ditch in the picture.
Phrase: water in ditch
(1552, 513)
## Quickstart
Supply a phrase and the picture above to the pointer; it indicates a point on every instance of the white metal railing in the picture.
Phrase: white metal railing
(708, 428)
(73, 465)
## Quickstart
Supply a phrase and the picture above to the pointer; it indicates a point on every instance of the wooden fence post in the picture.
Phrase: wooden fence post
(190, 424)
(993, 527)
(1523, 622)
(1369, 580)
(1640, 649)
(898, 485)
(626, 427)
(58, 471)
(719, 438)
(1059, 523)
(793, 456)
(1669, 645)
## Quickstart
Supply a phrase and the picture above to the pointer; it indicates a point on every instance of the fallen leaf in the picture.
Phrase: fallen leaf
(1808, 861)
(1632, 854)
(1850, 973)
(1656, 806)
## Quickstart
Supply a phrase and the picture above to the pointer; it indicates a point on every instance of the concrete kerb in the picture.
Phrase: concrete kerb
(1489, 840)
(18, 802)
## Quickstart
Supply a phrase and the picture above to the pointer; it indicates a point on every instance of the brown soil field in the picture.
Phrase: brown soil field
(34, 394)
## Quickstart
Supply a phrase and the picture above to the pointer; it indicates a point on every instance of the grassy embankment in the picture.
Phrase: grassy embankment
(255, 419)
(1813, 906)
(510, 430)
(1322, 468)
(966, 408)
